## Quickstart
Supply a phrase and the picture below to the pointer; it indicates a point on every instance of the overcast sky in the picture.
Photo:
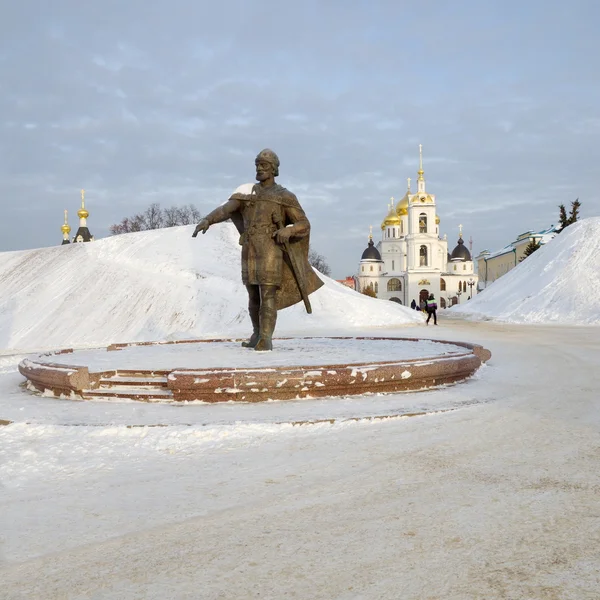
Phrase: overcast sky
(142, 101)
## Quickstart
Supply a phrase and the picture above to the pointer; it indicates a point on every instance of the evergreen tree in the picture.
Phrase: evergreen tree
(575, 206)
(530, 249)
(563, 219)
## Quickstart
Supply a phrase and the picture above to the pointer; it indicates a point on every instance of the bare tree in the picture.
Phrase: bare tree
(123, 227)
(319, 262)
(154, 217)
(186, 215)
(138, 223)
(171, 217)
(369, 291)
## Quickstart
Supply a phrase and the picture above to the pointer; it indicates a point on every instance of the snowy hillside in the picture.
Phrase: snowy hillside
(560, 283)
(153, 285)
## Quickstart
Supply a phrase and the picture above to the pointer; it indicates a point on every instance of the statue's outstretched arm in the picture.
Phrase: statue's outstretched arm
(220, 214)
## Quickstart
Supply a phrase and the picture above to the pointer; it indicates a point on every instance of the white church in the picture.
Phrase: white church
(412, 261)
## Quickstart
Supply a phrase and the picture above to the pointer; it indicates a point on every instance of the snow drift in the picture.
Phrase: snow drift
(154, 285)
(559, 283)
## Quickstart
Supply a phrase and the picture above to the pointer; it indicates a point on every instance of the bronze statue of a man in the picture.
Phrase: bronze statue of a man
(274, 235)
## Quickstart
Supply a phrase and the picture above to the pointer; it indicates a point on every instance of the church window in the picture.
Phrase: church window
(363, 268)
(393, 233)
(464, 267)
(464, 286)
(455, 267)
(394, 285)
(393, 268)
(423, 256)
(442, 285)
(371, 268)
(380, 268)
(401, 226)
(422, 223)
(376, 287)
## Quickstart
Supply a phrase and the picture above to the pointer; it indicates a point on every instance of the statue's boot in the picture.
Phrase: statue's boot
(254, 312)
(268, 318)
(254, 317)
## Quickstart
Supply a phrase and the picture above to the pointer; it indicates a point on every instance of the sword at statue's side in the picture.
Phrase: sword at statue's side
(295, 269)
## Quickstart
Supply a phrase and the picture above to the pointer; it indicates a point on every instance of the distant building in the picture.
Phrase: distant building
(350, 282)
(492, 265)
(412, 261)
(83, 233)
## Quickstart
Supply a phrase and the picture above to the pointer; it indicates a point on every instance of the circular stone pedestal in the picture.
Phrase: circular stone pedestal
(222, 371)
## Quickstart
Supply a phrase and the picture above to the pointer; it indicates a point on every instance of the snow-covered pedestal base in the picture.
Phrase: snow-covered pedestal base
(199, 370)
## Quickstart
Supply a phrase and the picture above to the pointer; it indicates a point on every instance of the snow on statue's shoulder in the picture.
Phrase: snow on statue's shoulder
(245, 188)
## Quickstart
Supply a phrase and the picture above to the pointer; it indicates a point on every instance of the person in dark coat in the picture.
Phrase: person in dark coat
(431, 309)
(413, 304)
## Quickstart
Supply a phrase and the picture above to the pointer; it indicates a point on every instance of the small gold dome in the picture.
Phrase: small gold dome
(66, 228)
(392, 220)
(82, 213)
(437, 220)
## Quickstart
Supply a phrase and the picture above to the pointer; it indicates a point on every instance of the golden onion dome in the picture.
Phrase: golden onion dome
(66, 228)
(402, 208)
(392, 219)
(437, 220)
(82, 213)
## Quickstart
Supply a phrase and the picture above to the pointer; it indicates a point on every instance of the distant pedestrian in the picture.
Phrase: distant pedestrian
(431, 309)
(413, 304)
(423, 305)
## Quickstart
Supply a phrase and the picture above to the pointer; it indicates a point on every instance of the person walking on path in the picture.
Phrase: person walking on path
(431, 309)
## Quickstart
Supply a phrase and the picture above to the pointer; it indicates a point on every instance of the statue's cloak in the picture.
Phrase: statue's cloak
(288, 292)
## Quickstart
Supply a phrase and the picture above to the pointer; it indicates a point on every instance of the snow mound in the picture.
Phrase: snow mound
(155, 285)
(559, 283)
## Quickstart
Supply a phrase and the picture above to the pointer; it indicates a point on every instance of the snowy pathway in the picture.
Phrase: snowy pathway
(497, 500)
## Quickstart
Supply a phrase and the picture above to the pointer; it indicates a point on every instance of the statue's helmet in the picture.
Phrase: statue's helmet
(269, 156)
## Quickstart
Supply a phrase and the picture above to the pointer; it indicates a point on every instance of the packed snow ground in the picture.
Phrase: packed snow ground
(559, 283)
(155, 285)
(497, 500)
(492, 494)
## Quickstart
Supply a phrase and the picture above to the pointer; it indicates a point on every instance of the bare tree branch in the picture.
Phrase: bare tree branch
(319, 262)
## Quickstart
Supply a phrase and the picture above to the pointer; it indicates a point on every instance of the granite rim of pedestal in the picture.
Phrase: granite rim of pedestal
(227, 384)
